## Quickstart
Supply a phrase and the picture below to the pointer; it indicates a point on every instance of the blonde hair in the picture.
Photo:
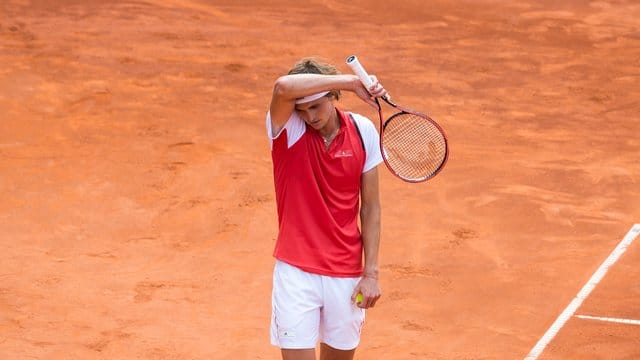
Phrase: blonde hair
(314, 65)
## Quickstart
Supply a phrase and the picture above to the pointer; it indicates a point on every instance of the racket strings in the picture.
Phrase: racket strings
(414, 147)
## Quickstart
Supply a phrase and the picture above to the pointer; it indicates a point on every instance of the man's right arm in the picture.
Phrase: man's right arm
(288, 88)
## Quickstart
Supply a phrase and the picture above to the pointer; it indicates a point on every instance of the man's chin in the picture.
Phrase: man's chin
(316, 125)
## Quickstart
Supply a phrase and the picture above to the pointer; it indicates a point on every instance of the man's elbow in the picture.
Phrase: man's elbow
(370, 210)
(282, 87)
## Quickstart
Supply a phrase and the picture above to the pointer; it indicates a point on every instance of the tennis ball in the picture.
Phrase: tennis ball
(359, 298)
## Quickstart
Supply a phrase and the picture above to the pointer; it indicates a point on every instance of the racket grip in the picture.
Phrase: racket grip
(358, 69)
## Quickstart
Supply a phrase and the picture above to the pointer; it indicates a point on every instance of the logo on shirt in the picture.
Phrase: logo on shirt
(343, 153)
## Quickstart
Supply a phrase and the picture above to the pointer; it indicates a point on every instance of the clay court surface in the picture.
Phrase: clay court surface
(137, 213)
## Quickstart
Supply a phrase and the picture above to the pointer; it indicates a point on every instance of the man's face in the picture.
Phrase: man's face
(317, 113)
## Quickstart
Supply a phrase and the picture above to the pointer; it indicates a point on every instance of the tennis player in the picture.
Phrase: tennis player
(325, 172)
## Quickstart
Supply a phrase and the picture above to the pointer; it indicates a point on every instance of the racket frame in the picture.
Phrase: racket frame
(401, 111)
(359, 70)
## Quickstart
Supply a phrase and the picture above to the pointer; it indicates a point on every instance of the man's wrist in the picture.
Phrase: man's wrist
(370, 273)
(355, 82)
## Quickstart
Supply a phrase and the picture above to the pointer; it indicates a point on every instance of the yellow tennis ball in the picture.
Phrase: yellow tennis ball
(359, 298)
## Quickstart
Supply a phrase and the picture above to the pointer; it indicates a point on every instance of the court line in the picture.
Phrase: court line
(582, 295)
(615, 320)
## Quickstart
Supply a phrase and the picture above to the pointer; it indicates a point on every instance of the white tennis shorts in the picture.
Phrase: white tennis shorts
(307, 308)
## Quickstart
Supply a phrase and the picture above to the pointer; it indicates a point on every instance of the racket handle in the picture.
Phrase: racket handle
(359, 70)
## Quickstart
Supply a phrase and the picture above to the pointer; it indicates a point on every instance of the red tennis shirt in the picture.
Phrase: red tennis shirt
(317, 194)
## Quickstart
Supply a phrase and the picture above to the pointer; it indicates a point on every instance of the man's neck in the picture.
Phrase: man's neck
(329, 130)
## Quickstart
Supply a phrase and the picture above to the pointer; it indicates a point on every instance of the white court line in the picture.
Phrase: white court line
(582, 295)
(615, 320)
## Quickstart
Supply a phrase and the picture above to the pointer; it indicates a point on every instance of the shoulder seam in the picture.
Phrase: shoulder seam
(353, 121)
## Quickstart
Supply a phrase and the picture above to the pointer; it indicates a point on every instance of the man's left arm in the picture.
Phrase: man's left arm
(369, 285)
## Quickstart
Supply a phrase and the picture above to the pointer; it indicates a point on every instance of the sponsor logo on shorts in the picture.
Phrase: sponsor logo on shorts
(288, 334)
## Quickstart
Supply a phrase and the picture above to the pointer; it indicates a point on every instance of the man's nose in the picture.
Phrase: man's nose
(307, 116)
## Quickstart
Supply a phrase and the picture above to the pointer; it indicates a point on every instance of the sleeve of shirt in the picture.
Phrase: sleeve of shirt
(295, 129)
(371, 141)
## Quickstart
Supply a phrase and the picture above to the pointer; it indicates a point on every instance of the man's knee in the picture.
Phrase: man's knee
(329, 353)
(298, 354)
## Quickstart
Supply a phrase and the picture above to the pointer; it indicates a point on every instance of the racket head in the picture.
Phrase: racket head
(413, 146)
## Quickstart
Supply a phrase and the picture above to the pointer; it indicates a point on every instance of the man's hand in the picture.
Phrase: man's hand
(370, 290)
(367, 95)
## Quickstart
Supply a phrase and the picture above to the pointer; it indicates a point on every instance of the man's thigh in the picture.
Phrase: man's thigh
(341, 319)
(296, 304)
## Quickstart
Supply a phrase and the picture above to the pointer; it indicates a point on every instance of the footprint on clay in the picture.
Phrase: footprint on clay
(415, 326)
(145, 290)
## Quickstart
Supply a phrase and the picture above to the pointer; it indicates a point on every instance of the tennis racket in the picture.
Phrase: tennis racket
(413, 146)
